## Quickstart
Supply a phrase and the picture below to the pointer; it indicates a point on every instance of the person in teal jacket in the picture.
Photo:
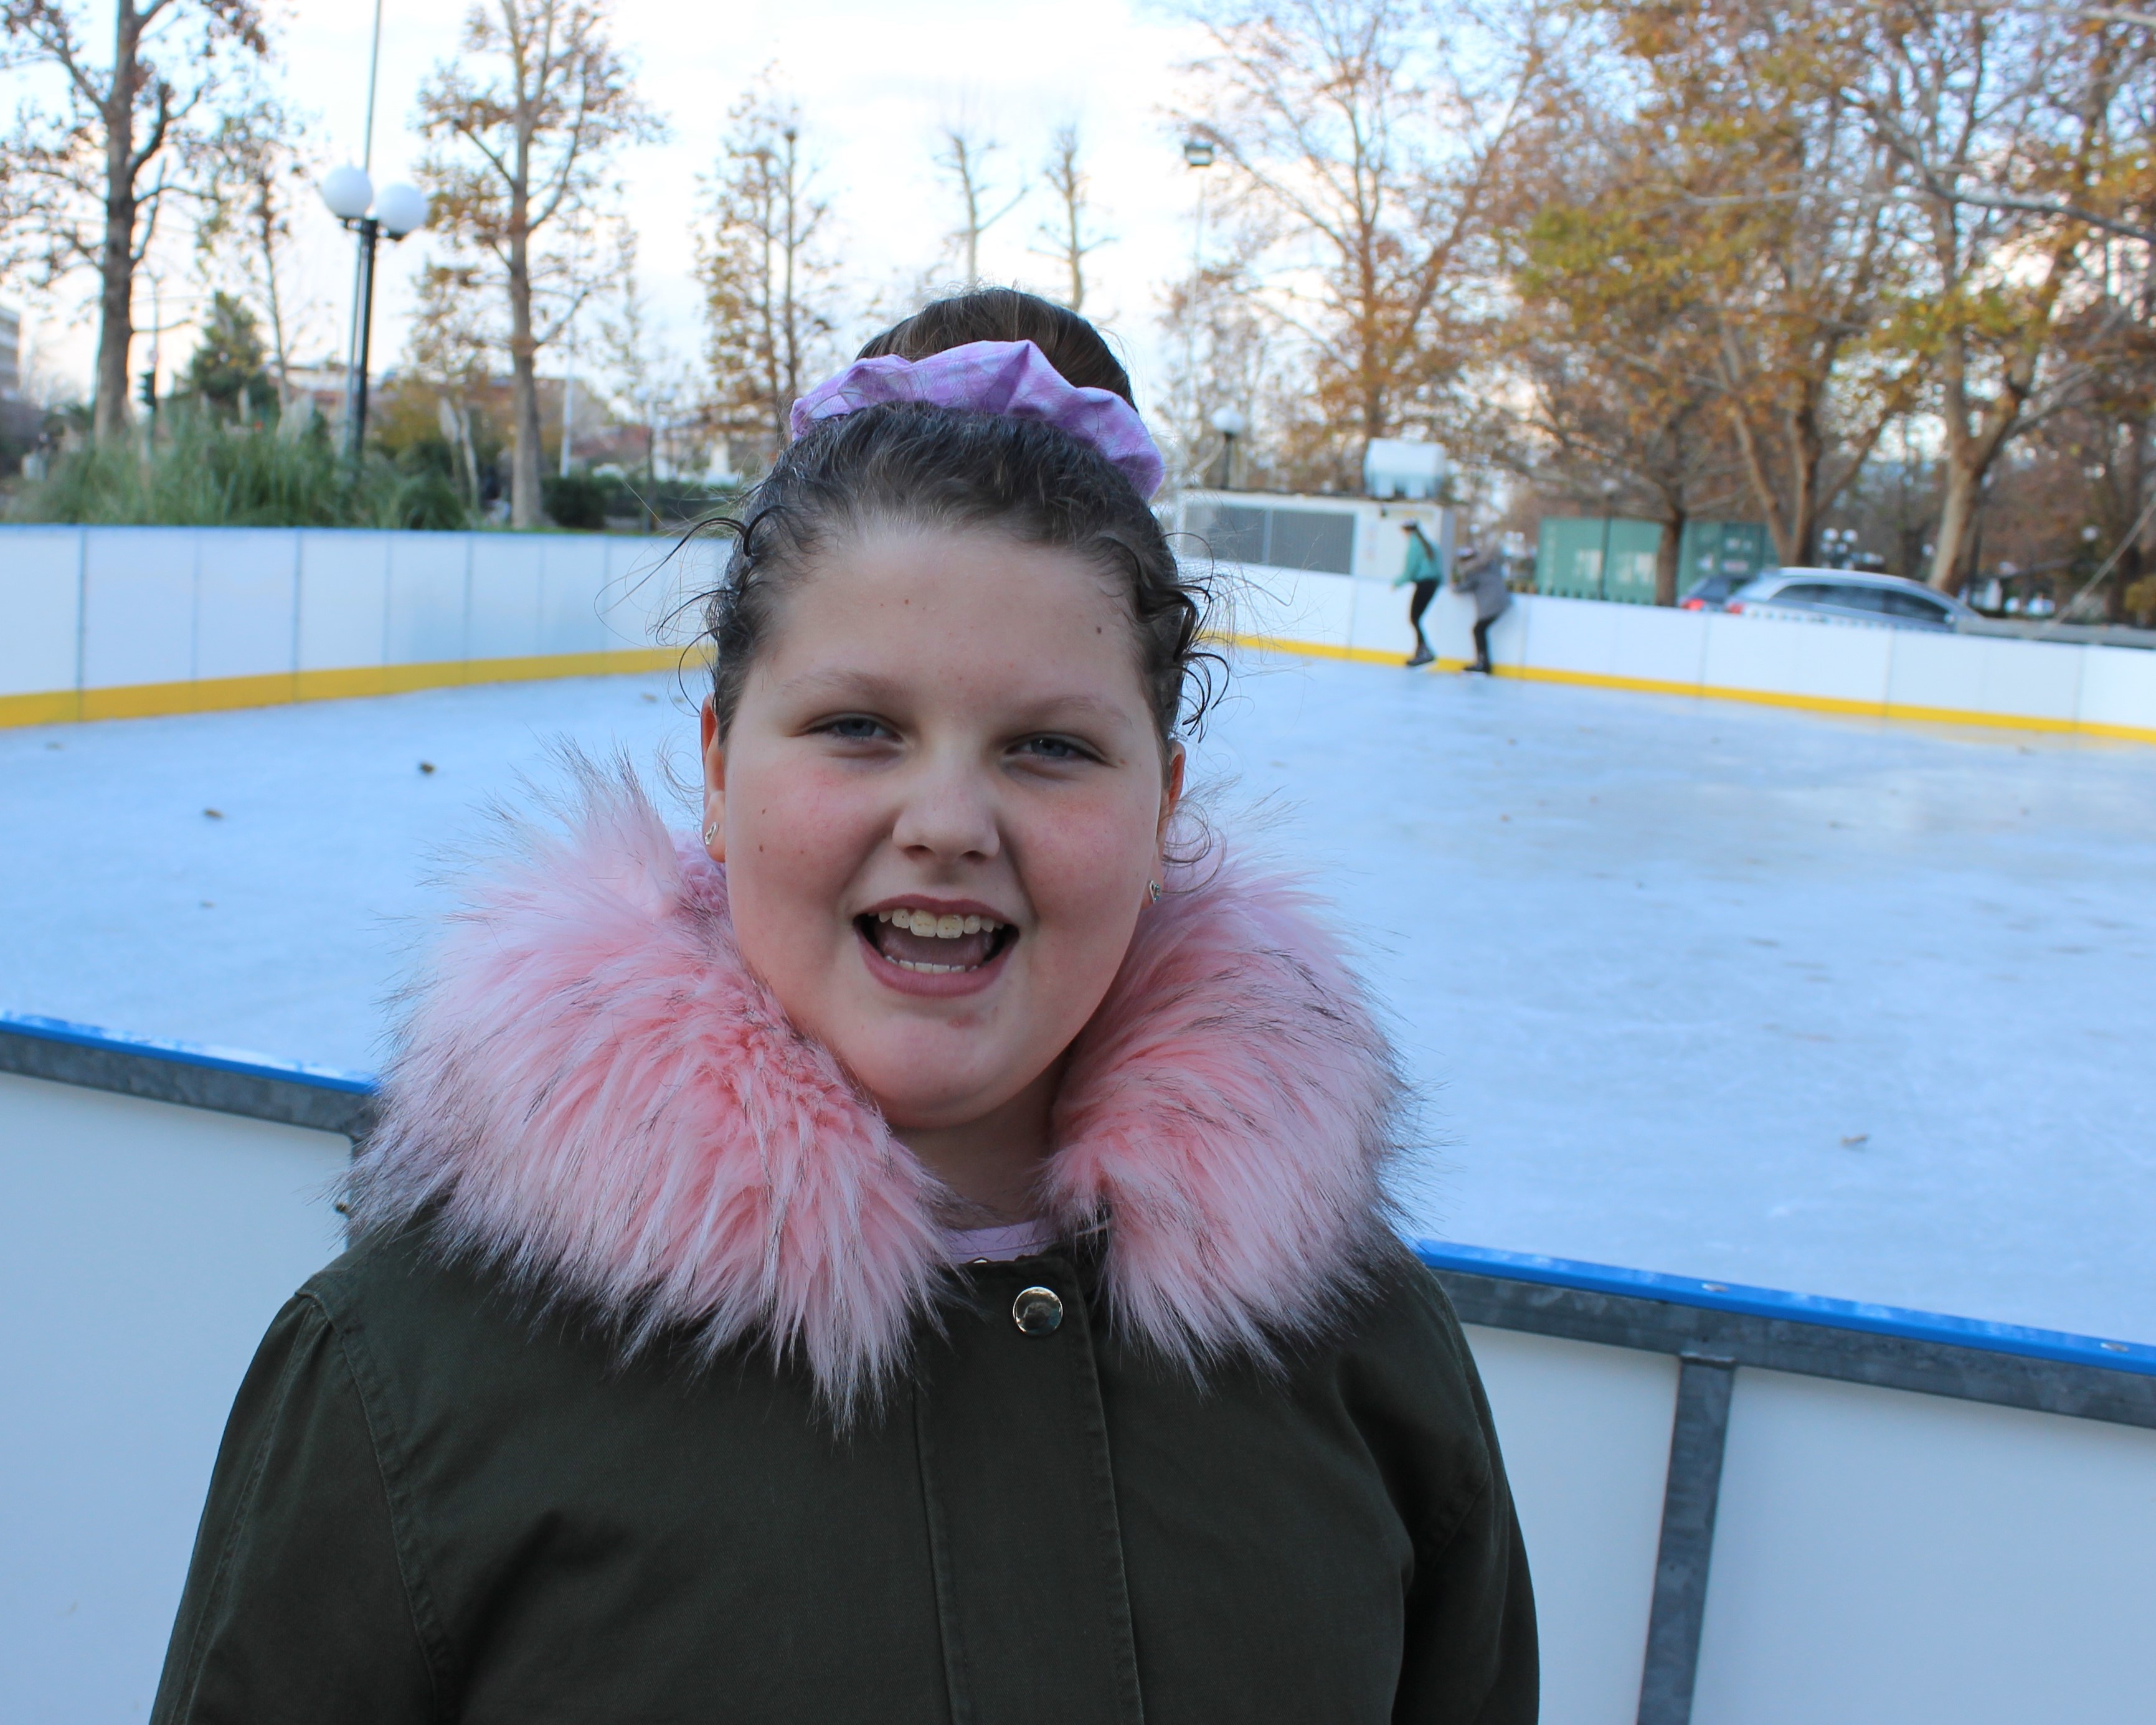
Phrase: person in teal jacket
(1424, 572)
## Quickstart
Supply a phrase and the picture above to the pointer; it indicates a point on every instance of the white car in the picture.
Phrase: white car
(1850, 596)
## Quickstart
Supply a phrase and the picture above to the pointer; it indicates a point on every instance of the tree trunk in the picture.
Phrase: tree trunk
(523, 363)
(524, 398)
(1954, 545)
(1668, 550)
(116, 329)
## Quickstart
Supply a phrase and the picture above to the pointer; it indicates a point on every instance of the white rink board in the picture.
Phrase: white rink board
(41, 586)
(144, 1249)
(102, 607)
(110, 608)
(1880, 1556)
(1845, 666)
(1585, 1431)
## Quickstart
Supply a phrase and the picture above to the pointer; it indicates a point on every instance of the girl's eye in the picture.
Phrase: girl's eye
(1054, 748)
(857, 727)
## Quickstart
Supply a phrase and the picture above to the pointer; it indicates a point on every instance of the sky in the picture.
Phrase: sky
(872, 82)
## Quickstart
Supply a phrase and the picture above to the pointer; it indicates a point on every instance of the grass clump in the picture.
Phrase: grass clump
(205, 474)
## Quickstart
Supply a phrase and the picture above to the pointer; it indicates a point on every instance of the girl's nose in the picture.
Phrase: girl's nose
(949, 812)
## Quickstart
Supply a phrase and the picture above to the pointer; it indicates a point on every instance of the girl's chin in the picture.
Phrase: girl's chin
(906, 1109)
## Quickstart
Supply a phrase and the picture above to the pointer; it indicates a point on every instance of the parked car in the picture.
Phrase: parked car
(1852, 596)
(1711, 594)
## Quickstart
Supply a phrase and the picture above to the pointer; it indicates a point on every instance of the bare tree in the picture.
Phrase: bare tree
(254, 167)
(446, 349)
(769, 301)
(1069, 237)
(964, 157)
(1221, 355)
(1367, 136)
(524, 125)
(84, 181)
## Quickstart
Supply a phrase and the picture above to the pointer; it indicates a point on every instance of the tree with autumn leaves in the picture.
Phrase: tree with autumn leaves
(1665, 253)
(523, 127)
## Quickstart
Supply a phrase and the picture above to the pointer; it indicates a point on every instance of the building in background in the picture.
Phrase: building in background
(1358, 537)
(10, 354)
(22, 435)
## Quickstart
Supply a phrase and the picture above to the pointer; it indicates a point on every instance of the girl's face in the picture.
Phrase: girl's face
(939, 804)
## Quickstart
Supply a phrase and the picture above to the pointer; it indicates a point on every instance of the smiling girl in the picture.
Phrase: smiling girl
(914, 1251)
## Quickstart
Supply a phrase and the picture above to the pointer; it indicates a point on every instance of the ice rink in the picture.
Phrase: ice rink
(1851, 1009)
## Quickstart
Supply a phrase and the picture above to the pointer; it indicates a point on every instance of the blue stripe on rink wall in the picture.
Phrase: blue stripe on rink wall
(1792, 1308)
(1815, 1310)
(187, 1053)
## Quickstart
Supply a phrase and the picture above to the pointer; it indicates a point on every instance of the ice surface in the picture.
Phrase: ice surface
(1854, 1008)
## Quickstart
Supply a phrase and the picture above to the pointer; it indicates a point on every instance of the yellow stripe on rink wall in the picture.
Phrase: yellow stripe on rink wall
(1757, 697)
(146, 700)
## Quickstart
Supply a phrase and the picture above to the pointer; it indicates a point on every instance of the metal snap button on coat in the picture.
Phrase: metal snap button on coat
(1037, 1310)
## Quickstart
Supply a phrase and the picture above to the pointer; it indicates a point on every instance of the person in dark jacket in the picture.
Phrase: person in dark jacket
(918, 1252)
(1481, 576)
(1421, 573)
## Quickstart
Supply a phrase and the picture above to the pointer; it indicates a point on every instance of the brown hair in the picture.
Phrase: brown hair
(950, 467)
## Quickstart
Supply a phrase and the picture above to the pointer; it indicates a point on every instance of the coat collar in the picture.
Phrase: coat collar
(594, 1095)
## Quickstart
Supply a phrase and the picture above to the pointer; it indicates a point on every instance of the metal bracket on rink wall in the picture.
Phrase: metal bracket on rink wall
(1734, 1349)
(1714, 1328)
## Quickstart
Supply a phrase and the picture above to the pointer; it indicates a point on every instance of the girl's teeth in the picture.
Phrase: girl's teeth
(949, 928)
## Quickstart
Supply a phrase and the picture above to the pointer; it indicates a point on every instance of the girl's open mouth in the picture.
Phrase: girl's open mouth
(928, 943)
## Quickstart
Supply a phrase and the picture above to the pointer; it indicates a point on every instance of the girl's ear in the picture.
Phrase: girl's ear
(1171, 790)
(715, 785)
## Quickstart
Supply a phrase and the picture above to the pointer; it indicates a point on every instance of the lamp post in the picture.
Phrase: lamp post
(1231, 425)
(1197, 153)
(397, 210)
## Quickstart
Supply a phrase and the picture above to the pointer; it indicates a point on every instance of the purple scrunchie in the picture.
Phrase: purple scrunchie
(1013, 378)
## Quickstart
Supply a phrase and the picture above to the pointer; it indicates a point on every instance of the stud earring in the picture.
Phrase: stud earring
(1152, 892)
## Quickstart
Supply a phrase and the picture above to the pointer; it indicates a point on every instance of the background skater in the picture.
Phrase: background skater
(1423, 572)
(1480, 574)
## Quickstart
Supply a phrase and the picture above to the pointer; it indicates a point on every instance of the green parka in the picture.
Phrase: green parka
(649, 1391)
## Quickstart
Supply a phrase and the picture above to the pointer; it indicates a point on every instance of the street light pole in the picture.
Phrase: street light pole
(355, 419)
(399, 210)
(1197, 153)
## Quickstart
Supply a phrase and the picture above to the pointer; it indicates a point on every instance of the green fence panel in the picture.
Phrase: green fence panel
(1572, 551)
(1737, 549)
(1592, 557)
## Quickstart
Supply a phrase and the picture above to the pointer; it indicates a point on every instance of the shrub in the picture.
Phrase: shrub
(578, 501)
(204, 474)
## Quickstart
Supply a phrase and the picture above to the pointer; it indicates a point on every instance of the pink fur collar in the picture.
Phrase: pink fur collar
(592, 1094)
